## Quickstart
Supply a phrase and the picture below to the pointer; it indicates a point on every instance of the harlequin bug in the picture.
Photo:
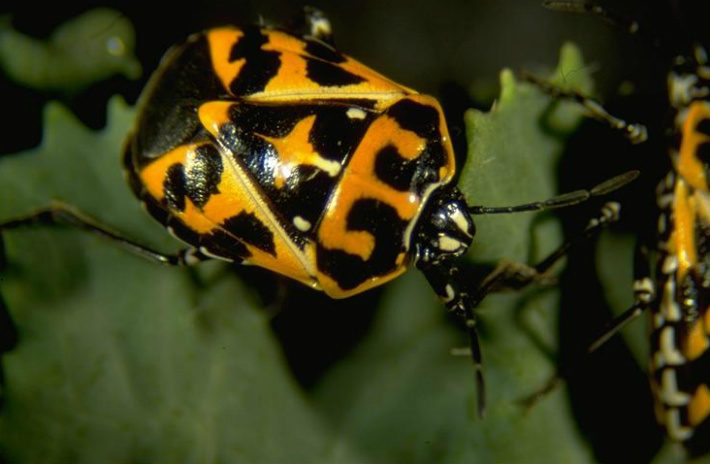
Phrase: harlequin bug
(255, 145)
(678, 294)
(674, 285)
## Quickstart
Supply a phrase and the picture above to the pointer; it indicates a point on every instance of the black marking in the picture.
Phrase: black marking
(330, 75)
(702, 152)
(383, 222)
(695, 373)
(322, 51)
(421, 119)
(247, 227)
(307, 189)
(174, 187)
(305, 194)
(334, 135)
(204, 173)
(274, 121)
(699, 443)
(222, 243)
(260, 65)
(395, 170)
(167, 113)
(703, 126)
(182, 231)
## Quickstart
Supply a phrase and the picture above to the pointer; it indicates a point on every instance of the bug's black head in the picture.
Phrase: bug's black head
(445, 228)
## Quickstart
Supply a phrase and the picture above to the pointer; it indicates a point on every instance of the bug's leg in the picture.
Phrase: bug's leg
(513, 275)
(59, 214)
(317, 25)
(444, 279)
(644, 294)
(636, 133)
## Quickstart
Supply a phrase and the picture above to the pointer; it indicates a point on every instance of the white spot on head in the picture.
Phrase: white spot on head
(448, 244)
(301, 224)
(461, 222)
(449, 293)
(356, 113)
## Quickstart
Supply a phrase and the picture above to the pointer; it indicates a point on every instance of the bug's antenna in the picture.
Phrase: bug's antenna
(591, 7)
(565, 199)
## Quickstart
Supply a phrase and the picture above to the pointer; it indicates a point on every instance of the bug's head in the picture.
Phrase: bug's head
(689, 79)
(445, 228)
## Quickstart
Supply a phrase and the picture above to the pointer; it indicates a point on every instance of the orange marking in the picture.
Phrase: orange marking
(689, 166)
(683, 237)
(697, 342)
(213, 115)
(232, 199)
(333, 290)
(292, 83)
(699, 406)
(153, 175)
(292, 70)
(282, 42)
(359, 181)
(195, 219)
(221, 41)
(294, 149)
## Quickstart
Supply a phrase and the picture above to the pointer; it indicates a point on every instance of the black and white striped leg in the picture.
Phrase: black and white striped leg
(444, 279)
(644, 294)
(61, 214)
(636, 133)
(513, 275)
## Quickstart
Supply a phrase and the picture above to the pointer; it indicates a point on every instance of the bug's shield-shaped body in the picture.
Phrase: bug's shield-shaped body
(258, 146)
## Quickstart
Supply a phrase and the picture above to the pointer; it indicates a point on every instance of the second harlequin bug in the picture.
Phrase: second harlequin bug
(673, 286)
(255, 145)
(678, 293)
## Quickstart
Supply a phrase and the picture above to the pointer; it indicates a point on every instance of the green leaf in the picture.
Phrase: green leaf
(89, 48)
(123, 360)
(402, 397)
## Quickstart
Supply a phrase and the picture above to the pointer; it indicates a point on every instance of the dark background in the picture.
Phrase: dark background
(425, 45)
(451, 49)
